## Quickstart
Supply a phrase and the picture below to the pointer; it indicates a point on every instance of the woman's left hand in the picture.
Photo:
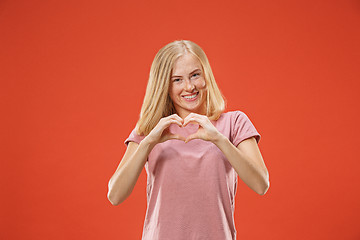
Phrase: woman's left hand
(207, 131)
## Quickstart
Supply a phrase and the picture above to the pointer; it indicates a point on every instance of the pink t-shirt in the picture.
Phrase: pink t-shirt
(191, 186)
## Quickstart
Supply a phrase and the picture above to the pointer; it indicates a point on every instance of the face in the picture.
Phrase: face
(188, 86)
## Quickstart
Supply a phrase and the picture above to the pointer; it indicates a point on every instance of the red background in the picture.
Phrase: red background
(73, 76)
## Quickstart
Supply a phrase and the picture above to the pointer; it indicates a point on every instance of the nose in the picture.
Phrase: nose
(189, 85)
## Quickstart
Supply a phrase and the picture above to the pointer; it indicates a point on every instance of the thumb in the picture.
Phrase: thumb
(176, 136)
(191, 137)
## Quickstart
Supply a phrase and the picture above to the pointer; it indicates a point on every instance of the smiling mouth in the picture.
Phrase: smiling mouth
(190, 97)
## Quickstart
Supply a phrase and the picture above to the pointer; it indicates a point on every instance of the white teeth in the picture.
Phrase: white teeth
(191, 97)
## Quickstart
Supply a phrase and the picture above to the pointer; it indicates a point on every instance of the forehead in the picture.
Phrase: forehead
(186, 64)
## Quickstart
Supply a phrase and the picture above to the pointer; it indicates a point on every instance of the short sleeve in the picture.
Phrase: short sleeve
(134, 137)
(242, 128)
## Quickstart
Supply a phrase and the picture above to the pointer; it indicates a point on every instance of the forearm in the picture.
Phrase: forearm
(123, 181)
(252, 174)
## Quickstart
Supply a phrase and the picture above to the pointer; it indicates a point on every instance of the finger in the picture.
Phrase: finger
(177, 137)
(176, 117)
(176, 121)
(192, 137)
(168, 122)
(189, 119)
(197, 119)
(190, 122)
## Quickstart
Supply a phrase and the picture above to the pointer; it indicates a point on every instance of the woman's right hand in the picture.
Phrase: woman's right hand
(161, 132)
(123, 181)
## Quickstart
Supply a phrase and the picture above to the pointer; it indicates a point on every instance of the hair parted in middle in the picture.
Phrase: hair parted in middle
(157, 102)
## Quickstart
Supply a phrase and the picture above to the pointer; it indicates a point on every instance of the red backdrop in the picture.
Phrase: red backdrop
(73, 76)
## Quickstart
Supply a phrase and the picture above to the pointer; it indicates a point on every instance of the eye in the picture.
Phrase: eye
(195, 75)
(176, 80)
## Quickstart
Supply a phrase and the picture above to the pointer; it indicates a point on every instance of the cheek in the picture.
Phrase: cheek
(201, 84)
(173, 92)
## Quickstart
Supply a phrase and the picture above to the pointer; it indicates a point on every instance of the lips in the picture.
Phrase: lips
(190, 96)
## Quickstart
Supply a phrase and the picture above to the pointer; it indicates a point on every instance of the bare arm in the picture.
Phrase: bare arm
(247, 161)
(246, 158)
(126, 175)
(124, 179)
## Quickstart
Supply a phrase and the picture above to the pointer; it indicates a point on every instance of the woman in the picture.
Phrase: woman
(192, 151)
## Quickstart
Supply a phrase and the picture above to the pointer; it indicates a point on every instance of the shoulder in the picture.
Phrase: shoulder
(134, 137)
(241, 127)
(232, 116)
(235, 119)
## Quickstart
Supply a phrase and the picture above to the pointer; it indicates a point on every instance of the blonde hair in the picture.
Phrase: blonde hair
(157, 103)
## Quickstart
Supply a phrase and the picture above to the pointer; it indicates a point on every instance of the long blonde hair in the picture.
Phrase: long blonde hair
(157, 103)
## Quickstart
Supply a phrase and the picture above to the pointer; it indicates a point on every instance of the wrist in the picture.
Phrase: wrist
(219, 139)
(148, 143)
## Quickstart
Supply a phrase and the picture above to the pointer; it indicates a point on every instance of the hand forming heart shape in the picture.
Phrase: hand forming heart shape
(184, 131)
(196, 126)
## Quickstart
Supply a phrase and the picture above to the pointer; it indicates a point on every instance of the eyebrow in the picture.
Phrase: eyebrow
(197, 69)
